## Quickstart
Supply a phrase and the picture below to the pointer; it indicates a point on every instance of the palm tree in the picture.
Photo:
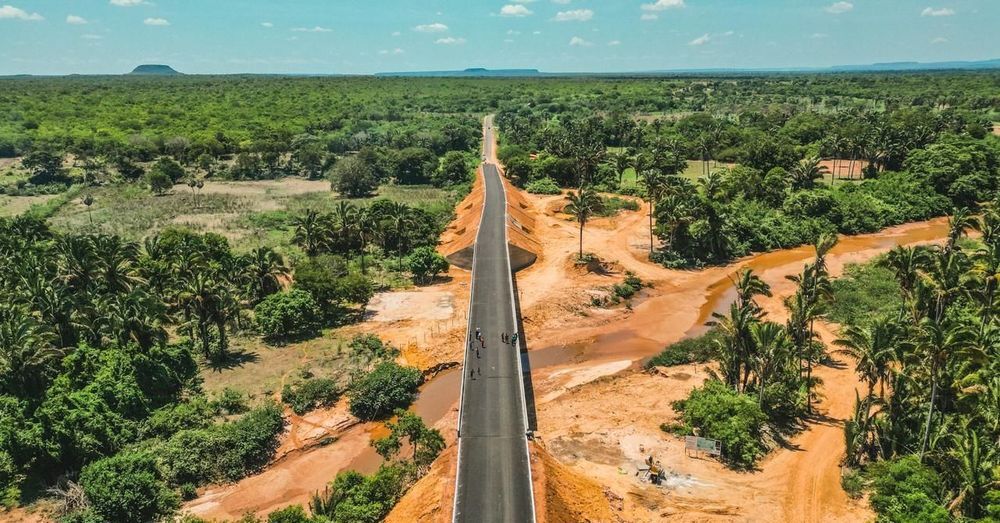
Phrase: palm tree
(805, 174)
(960, 221)
(939, 343)
(345, 216)
(88, 200)
(975, 462)
(400, 221)
(209, 304)
(133, 317)
(311, 232)
(672, 212)
(736, 345)
(748, 286)
(858, 430)
(654, 182)
(266, 269)
(582, 205)
(906, 263)
(25, 349)
(872, 347)
(942, 281)
(824, 243)
(620, 162)
(365, 229)
(985, 273)
(771, 351)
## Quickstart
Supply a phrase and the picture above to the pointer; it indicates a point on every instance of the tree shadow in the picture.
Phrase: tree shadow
(234, 359)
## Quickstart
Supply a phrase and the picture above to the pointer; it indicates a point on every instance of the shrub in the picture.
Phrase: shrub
(698, 349)
(389, 386)
(611, 206)
(356, 498)
(231, 401)
(732, 418)
(292, 514)
(353, 177)
(127, 487)
(169, 420)
(159, 182)
(907, 491)
(853, 483)
(864, 291)
(543, 186)
(425, 264)
(310, 394)
(286, 314)
(225, 451)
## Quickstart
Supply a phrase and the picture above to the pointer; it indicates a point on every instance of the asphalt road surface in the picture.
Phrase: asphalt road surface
(494, 474)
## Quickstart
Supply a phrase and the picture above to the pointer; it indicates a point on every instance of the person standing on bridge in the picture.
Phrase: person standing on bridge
(479, 334)
(513, 340)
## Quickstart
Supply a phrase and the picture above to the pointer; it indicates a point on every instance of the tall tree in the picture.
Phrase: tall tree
(582, 205)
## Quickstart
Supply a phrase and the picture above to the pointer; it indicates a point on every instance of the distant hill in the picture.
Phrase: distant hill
(861, 68)
(922, 66)
(155, 70)
(470, 72)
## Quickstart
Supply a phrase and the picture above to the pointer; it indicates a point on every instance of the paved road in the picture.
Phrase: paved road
(494, 475)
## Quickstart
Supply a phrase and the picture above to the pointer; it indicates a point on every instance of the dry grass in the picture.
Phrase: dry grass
(261, 370)
(14, 205)
(249, 214)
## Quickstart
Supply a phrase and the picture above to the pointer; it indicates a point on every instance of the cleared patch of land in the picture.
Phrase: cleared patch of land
(14, 205)
(248, 213)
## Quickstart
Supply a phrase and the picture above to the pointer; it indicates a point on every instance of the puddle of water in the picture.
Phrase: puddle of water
(721, 293)
(437, 397)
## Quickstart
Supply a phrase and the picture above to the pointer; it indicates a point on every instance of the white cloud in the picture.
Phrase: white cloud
(396, 33)
(522, 1)
(9, 12)
(729, 33)
(127, 3)
(662, 5)
(75, 20)
(701, 40)
(939, 40)
(266, 24)
(436, 27)
(649, 16)
(574, 15)
(160, 22)
(563, 2)
(615, 42)
(450, 40)
(579, 42)
(839, 7)
(536, 32)
(316, 29)
(396, 51)
(819, 36)
(943, 11)
(514, 10)
(91, 37)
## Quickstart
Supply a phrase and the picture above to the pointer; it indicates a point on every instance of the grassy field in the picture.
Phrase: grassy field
(693, 172)
(249, 214)
(260, 370)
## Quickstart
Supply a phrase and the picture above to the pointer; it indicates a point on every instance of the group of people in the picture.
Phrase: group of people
(504, 338)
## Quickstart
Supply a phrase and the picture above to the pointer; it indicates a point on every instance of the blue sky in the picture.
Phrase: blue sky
(365, 36)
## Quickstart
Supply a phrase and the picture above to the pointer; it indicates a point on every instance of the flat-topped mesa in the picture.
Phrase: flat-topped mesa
(459, 237)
